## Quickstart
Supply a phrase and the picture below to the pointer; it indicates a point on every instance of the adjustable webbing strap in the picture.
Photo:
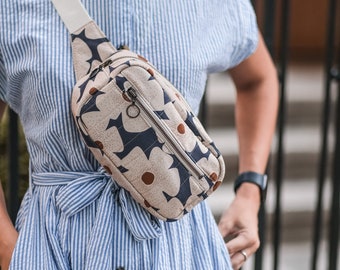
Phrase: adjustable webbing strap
(90, 46)
(73, 14)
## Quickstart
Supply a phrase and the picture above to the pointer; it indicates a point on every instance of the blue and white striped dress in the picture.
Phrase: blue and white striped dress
(74, 216)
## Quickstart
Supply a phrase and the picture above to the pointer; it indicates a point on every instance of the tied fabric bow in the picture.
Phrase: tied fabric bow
(80, 189)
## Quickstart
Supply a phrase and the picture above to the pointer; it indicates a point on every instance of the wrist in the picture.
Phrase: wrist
(252, 185)
(250, 192)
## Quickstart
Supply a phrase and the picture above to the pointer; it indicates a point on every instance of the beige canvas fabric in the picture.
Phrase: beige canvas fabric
(140, 128)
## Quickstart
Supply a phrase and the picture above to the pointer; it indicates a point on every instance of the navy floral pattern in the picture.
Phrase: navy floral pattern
(141, 130)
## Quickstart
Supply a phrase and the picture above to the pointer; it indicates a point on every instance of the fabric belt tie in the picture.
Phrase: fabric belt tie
(80, 189)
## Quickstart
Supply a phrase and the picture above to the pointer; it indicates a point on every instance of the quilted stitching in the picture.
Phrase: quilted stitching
(139, 127)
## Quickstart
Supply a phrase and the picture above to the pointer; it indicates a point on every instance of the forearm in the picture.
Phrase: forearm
(256, 111)
(5, 221)
(8, 234)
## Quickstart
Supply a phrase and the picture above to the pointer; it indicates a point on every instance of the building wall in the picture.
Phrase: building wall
(308, 27)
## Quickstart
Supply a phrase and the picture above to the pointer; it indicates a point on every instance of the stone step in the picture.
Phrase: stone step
(293, 256)
(301, 151)
(302, 140)
(296, 166)
(298, 203)
(307, 113)
(305, 83)
(304, 95)
(297, 196)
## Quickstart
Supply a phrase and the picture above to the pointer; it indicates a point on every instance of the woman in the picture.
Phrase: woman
(185, 41)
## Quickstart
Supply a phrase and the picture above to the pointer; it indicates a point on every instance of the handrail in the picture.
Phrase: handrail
(334, 223)
(13, 166)
(268, 32)
(323, 156)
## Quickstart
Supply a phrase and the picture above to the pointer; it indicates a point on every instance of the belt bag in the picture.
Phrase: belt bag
(137, 124)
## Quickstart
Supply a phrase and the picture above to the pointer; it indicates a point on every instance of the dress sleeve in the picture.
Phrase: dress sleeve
(247, 33)
(3, 79)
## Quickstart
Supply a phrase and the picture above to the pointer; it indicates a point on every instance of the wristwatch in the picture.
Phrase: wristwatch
(252, 177)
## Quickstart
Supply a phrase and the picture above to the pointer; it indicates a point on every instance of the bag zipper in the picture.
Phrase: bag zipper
(109, 61)
(166, 134)
(100, 68)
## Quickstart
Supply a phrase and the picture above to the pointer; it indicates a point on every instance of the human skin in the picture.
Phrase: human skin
(256, 112)
(256, 109)
(8, 234)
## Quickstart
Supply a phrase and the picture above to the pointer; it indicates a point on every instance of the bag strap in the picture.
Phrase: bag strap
(73, 14)
(90, 46)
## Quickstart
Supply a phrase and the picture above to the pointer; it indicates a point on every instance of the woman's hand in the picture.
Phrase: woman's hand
(256, 109)
(239, 223)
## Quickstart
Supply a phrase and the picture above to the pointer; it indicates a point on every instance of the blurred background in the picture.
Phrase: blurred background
(299, 223)
(300, 226)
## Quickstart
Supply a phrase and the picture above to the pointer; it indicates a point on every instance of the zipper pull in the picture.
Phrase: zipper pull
(100, 68)
(95, 72)
(132, 94)
(132, 110)
(106, 63)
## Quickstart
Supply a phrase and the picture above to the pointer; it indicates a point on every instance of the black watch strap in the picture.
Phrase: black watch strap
(252, 177)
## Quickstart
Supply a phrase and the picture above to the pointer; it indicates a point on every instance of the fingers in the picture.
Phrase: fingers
(238, 259)
(244, 240)
(239, 227)
(242, 247)
(225, 228)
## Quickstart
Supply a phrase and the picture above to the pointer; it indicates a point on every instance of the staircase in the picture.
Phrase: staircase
(305, 86)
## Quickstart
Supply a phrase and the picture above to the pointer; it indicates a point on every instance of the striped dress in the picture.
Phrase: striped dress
(74, 216)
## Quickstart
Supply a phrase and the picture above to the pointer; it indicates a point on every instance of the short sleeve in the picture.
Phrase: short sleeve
(247, 33)
(3, 79)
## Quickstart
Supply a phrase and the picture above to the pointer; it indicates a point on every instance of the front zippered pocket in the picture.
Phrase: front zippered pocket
(163, 131)
(114, 59)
